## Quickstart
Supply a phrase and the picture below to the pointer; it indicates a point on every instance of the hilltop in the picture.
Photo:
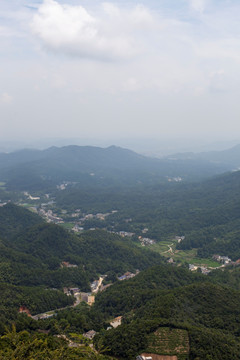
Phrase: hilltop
(35, 169)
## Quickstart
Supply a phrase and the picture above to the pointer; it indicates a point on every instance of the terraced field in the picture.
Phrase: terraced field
(171, 342)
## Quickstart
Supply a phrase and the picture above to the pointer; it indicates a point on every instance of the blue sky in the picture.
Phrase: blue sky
(119, 68)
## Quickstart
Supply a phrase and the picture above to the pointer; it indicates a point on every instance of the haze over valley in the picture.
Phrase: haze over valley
(119, 180)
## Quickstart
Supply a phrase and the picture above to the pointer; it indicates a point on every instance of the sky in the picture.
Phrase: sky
(87, 68)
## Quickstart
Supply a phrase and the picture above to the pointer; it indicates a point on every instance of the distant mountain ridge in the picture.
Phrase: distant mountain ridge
(33, 169)
(230, 157)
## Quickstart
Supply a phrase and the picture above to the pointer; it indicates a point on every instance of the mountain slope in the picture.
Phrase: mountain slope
(28, 251)
(34, 170)
(229, 157)
(14, 219)
(208, 313)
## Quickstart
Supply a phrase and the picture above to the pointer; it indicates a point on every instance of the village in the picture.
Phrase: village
(75, 221)
(88, 298)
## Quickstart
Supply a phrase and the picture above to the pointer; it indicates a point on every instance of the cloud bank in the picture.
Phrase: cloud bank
(5, 98)
(74, 31)
(83, 66)
(198, 5)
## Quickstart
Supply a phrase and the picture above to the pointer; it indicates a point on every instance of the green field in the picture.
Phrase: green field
(67, 225)
(2, 185)
(189, 256)
(26, 205)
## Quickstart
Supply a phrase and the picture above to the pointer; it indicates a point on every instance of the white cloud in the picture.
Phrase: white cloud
(5, 98)
(174, 50)
(131, 84)
(198, 5)
(6, 32)
(218, 82)
(72, 30)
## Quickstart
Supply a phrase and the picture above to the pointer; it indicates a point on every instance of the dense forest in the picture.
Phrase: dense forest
(167, 298)
(207, 213)
(196, 316)
(31, 261)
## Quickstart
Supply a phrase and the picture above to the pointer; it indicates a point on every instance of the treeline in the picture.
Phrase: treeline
(209, 313)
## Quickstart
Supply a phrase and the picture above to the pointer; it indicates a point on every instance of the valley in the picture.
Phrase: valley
(99, 250)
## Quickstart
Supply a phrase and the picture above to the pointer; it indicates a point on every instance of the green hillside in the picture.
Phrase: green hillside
(15, 219)
(199, 309)
(35, 170)
(31, 261)
(132, 294)
(206, 213)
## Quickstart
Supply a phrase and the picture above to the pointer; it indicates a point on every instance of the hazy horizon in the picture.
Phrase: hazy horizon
(147, 146)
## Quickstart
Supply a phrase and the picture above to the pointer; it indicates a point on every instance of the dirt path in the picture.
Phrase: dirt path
(169, 250)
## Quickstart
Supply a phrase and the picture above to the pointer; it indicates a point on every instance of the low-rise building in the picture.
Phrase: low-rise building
(90, 334)
(116, 322)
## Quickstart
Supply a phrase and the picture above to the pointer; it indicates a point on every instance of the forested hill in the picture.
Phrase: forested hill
(212, 211)
(15, 219)
(35, 170)
(98, 252)
(131, 295)
(31, 260)
(229, 156)
(206, 313)
(171, 311)
(205, 212)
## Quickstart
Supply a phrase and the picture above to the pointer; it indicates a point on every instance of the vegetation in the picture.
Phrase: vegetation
(34, 170)
(165, 309)
(26, 346)
(30, 262)
(169, 341)
(198, 308)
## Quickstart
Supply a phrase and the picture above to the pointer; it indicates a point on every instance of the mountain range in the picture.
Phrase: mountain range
(32, 169)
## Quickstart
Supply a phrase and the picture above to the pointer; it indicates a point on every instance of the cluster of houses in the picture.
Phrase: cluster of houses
(49, 215)
(146, 241)
(77, 228)
(45, 211)
(114, 324)
(127, 275)
(204, 270)
(175, 179)
(124, 233)
(64, 185)
(99, 216)
(222, 259)
(80, 296)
